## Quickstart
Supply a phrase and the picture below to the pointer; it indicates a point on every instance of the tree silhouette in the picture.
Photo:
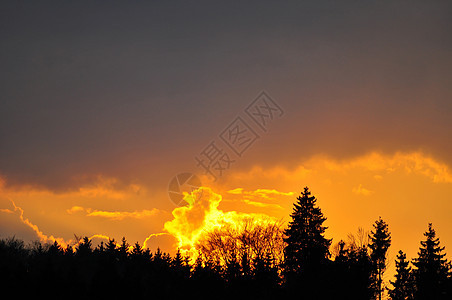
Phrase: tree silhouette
(100, 249)
(237, 246)
(85, 247)
(248, 259)
(55, 249)
(124, 248)
(380, 241)
(137, 250)
(69, 251)
(266, 274)
(352, 268)
(178, 261)
(432, 269)
(307, 250)
(111, 249)
(403, 286)
(207, 277)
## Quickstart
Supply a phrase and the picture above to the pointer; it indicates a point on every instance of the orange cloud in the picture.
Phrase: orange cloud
(114, 215)
(380, 164)
(120, 215)
(152, 235)
(360, 190)
(378, 177)
(262, 204)
(42, 237)
(412, 162)
(107, 187)
(254, 197)
(262, 193)
(202, 215)
(75, 209)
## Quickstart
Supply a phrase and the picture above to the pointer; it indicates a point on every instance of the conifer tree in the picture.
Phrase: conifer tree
(158, 255)
(124, 248)
(137, 249)
(55, 249)
(177, 261)
(380, 241)
(307, 250)
(110, 247)
(85, 247)
(305, 239)
(403, 286)
(432, 269)
(265, 271)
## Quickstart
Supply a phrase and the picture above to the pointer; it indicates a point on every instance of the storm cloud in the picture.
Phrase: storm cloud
(136, 91)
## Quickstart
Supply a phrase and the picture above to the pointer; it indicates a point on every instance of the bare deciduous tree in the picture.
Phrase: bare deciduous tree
(253, 239)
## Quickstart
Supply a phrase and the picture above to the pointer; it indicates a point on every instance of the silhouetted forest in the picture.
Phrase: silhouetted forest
(253, 260)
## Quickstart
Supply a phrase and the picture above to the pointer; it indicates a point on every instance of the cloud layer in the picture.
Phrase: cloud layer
(137, 101)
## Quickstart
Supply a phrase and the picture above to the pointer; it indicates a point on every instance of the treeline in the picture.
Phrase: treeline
(254, 259)
(109, 271)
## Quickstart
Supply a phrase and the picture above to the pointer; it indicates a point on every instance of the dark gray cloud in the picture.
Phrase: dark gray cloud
(136, 90)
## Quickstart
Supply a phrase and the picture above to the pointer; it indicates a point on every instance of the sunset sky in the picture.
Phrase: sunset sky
(102, 105)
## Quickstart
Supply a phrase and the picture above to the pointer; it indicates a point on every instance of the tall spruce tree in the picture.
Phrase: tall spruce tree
(403, 286)
(432, 269)
(380, 241)
(307, 249)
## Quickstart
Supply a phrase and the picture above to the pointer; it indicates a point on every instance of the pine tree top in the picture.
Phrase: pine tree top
(304, 236)
(380, 240)
(306, 215)
(430, 255)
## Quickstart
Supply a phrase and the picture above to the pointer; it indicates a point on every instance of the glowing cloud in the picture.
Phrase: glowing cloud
(75, 209)
(414, 162)
(113, 215)
(360, 190)
(42, 237)
(106, 187)
(254, 197)
(120, 215)
(262, 193)
(152, 235)
(6, 210)
(29, 203)
(201, 216)
(262, 204)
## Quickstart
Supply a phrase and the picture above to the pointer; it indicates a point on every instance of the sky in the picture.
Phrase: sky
(103, 104)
